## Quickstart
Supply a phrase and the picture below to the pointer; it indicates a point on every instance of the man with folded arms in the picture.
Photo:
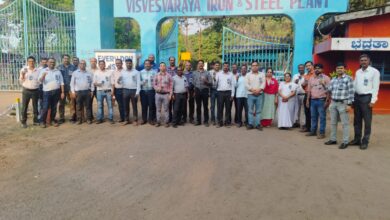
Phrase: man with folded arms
(255, 84)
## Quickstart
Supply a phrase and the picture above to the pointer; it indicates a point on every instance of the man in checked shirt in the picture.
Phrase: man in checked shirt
(342, 93)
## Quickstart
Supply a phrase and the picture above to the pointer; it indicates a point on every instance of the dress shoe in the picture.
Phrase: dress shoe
(125, 123)
(343, 146)
(321, 136)
(259, 127)
(330, 142)
(174, 125)
(355, 142)
(166, 125)
(311, 134)
(24, 125)
(363, 146)
(99, 122)
(158, 125)
(206, 124)
(197, 124)
(219, 125)
(304, 130)
(249, 127)
(143, 122)
(112, 122)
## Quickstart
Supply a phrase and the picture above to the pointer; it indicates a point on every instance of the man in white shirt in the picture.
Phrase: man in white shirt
(299, 79)
(103, 81)
(242, 96)
(81, 88)
(53, 91)
(179, 95)
(225, 84)
(366, 84)
(255, 84)
(30, 83)
(118, 88)
(131, 83)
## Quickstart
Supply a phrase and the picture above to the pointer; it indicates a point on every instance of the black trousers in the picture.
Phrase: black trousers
(129, 95)
(224, 103)
(307, 114)
(242, 104)
(202, 98)
(189, 107)
(148, 105)
(50, 101)
(27, 95)
(178, 107)
(234, 103)
(83, 101)
(91, 103)
(363, 112)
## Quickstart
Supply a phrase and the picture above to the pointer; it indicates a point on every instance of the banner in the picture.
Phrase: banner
(361, 44)
(109, 56)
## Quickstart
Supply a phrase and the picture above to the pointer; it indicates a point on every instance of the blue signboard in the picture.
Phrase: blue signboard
(95, 29)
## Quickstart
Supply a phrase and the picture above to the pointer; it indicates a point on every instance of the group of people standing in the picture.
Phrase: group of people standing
(169, 94)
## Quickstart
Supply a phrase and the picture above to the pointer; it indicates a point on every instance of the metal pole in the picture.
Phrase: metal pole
(25, 29)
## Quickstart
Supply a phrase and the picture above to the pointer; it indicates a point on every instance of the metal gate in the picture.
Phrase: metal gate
(168, 45)
(28, 28)
(240, 49)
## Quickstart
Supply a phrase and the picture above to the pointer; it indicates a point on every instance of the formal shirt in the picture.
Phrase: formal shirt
(180, 84)
(163, 83)
(241, 91)
(67, 73)
(81, 81)
(367, 82)
(103, 80)
(147, 77)
(315, 87)
(172, 70)
(117, 78)
(31, 78)
(226, 82)
(53, 79)
(199, 77)
(214, 75)
(190, 79)
(341, 88)
(301, 80)
(131, 79)
(255, 81)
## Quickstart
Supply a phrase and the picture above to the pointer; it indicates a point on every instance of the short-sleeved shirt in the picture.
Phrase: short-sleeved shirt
(316, 89)
(180, 84)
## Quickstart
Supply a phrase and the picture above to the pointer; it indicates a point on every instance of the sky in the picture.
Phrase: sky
(1, 2)
(193, 26)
